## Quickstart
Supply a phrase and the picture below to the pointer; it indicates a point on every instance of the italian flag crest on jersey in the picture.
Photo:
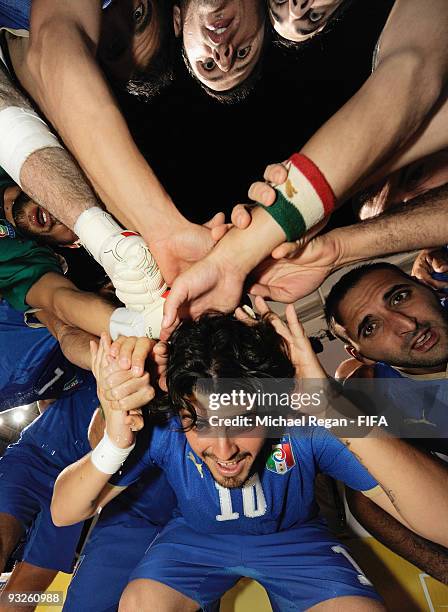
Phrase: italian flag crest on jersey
(281, 459)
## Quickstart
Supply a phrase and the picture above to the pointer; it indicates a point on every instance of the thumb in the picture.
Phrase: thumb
(218, 219)
(176, 297)
(219, 231)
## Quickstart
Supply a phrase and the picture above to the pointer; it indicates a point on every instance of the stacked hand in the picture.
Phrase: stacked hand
(430, 265)
(123, 387)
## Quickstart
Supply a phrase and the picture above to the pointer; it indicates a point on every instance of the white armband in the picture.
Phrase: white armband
(23, 132)
(107, 457)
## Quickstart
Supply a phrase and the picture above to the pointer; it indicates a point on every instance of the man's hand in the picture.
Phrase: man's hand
(427, 263)
(288, 280)
(211, 284)
(301, 353)
(185, 245)
(121, 394)
(263, 192)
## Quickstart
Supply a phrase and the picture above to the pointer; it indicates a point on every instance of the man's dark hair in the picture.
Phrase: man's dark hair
(348, 282)
(292, 45)
(217, 347)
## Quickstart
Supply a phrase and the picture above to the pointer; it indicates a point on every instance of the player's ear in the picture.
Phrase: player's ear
(353, 352)
(177, 21)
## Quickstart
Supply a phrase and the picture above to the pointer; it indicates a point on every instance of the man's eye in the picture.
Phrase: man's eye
(201, 425)
(242, 53)
(315, 16)
(369, 330)
(400, 297)
(209, 64)
(138, 14)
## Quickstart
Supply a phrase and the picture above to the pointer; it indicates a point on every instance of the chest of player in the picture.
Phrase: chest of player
(270, 500)
(419, 406)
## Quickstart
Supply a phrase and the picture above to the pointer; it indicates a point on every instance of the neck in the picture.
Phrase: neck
(416, 371)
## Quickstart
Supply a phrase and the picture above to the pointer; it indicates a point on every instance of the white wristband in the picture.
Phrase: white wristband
(23, 132)
(107, 457)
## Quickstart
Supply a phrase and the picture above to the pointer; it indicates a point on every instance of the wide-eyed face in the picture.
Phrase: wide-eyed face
(299, 20)
(35, 221)
(388, 317)
(408, 183)
(131, 34)
(222, 39)
(228, 454)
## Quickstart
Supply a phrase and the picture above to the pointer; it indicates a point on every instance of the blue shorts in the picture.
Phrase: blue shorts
(299, 567)
(26, 487)
(112, 552)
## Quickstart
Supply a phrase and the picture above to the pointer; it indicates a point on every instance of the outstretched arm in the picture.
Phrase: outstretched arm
(83, 486)
(58, 296)
(429, 557)
(74, 342)
(420, 223)
(60, 72)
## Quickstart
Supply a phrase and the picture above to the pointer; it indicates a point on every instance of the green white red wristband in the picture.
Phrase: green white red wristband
(303, 200)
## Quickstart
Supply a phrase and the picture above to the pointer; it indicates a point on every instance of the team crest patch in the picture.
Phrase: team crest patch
(6, 229)
(281, 459)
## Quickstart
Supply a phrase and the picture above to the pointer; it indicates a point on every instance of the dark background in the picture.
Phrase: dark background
(207, 154)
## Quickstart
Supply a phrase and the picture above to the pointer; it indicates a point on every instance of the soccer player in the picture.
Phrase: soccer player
(398, 328)
(398, 331)
(245, 495)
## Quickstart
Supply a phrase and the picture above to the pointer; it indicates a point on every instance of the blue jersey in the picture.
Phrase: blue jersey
(15, 14)
(32, 365)
(59, 435)
(275, 497)
(418, 408)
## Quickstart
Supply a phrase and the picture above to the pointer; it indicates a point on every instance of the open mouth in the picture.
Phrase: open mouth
(230, 468)
(219, 31)
(425, 341)
(41, 219)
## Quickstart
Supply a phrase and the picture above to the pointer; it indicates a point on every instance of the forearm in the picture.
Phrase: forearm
(84, 107)
(431, 138)
(385, 114)
(245, 249)
(429, 557)
(74, 342)
(50, 176)
(395, 101)
(81, 309)
(414, 480)
(418, 224)
(77, 491)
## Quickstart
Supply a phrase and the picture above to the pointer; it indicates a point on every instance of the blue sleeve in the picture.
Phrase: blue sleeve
(337, 461)
(148, 453)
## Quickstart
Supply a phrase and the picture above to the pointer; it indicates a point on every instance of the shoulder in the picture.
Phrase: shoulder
(363, 371)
